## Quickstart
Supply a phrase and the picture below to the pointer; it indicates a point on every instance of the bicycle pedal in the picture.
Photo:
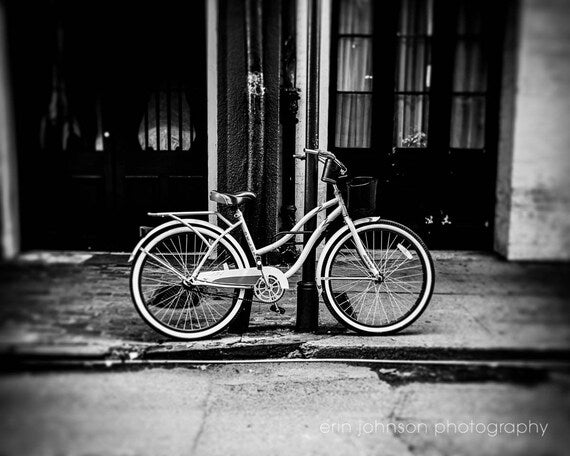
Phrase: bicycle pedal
(275, 308)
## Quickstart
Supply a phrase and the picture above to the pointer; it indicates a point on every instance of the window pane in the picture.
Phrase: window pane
(166, 124)
(355, 17)
(468, 122)
(470, 73)
(353, 120)
(413, 65)
(411, 121)
(416, 17)
(354, 64)
(470, 18)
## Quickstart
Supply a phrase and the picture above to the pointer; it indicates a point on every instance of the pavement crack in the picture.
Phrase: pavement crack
(309, 352)
(402, 398)
(393, 417)
(477, 319)
(207, 410)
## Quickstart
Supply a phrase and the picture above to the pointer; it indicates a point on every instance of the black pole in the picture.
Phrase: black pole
(307, 297)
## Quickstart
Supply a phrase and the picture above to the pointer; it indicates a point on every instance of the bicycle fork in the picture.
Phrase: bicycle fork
(356, 238)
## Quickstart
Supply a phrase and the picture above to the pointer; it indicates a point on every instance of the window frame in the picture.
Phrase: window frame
(384, 93)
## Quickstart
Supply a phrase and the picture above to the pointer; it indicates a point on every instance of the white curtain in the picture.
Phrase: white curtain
(353, 120)
(413, 73)
(469, 81)
(355, 17)
(468, 122)
(411, 115)
(354, 75)
(167, 112)
(354, 64)
(415, 18)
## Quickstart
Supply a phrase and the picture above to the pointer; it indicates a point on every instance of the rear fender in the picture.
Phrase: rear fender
(197, 222)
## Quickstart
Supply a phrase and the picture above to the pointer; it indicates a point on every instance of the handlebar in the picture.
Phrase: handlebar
(324, 154)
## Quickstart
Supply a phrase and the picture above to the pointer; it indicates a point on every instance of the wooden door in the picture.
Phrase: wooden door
(155, 106)
(116, 124)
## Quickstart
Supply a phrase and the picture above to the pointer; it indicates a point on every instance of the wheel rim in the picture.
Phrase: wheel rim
(172, 304)
(378, 305)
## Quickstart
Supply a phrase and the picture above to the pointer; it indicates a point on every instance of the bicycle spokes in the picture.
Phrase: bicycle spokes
(167, 292)
(380, 301)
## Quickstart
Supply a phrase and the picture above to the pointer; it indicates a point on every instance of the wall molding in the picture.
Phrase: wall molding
(212, 8)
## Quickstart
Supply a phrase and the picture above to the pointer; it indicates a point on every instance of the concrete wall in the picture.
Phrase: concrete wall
(237, 171)
(533, 186)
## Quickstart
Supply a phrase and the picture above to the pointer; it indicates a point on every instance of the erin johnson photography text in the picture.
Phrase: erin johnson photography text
(492, 429)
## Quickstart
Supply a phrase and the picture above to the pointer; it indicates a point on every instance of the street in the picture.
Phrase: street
(286, 408)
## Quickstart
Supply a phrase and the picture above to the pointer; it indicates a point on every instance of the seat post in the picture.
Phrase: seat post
(245, 229)
(240, 324)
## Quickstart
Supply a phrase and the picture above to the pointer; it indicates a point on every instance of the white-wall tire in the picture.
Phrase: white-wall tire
(228, 243)
(325, 280)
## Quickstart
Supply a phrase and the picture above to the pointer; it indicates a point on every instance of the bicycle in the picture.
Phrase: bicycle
(189, 277)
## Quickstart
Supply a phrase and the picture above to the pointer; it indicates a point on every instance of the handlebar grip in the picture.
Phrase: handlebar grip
(299, 156)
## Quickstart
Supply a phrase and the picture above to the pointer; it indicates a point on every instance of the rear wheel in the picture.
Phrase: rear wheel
(397, 298)
(166, 301)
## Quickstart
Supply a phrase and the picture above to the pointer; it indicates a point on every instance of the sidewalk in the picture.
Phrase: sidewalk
(77, 306)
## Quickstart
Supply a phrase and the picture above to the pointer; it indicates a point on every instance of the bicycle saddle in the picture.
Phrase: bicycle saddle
(232, 199)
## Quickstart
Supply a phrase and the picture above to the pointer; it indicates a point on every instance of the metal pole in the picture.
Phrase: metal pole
(307, 297)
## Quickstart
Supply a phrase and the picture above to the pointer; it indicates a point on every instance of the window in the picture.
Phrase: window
(469, 81)
(402, 35)
(354, 75)
(415, 102)
(413, 73)
(167, 123)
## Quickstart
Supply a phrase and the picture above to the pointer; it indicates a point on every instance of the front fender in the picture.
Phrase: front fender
(170, 224)
(332, 241)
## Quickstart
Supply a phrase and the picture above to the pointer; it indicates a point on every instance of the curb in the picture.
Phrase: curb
(43, 358)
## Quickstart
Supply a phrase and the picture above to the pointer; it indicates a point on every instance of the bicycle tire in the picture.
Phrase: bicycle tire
(341, 306)
(234, 259)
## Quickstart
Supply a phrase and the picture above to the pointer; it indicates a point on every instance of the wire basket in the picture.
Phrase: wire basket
(362, 196)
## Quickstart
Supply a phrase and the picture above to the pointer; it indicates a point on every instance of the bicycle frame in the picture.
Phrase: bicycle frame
(340, 209)
(186, 272)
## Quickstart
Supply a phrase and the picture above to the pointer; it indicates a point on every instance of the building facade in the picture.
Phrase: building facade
(459, 109)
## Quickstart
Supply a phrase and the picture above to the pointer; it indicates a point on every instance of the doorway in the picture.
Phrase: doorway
(111, 118)
(414, 102)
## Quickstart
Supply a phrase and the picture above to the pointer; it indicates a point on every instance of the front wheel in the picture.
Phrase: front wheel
(386, 304)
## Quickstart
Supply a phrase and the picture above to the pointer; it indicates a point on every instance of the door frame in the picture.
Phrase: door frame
(301, 26)
(212, 9)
